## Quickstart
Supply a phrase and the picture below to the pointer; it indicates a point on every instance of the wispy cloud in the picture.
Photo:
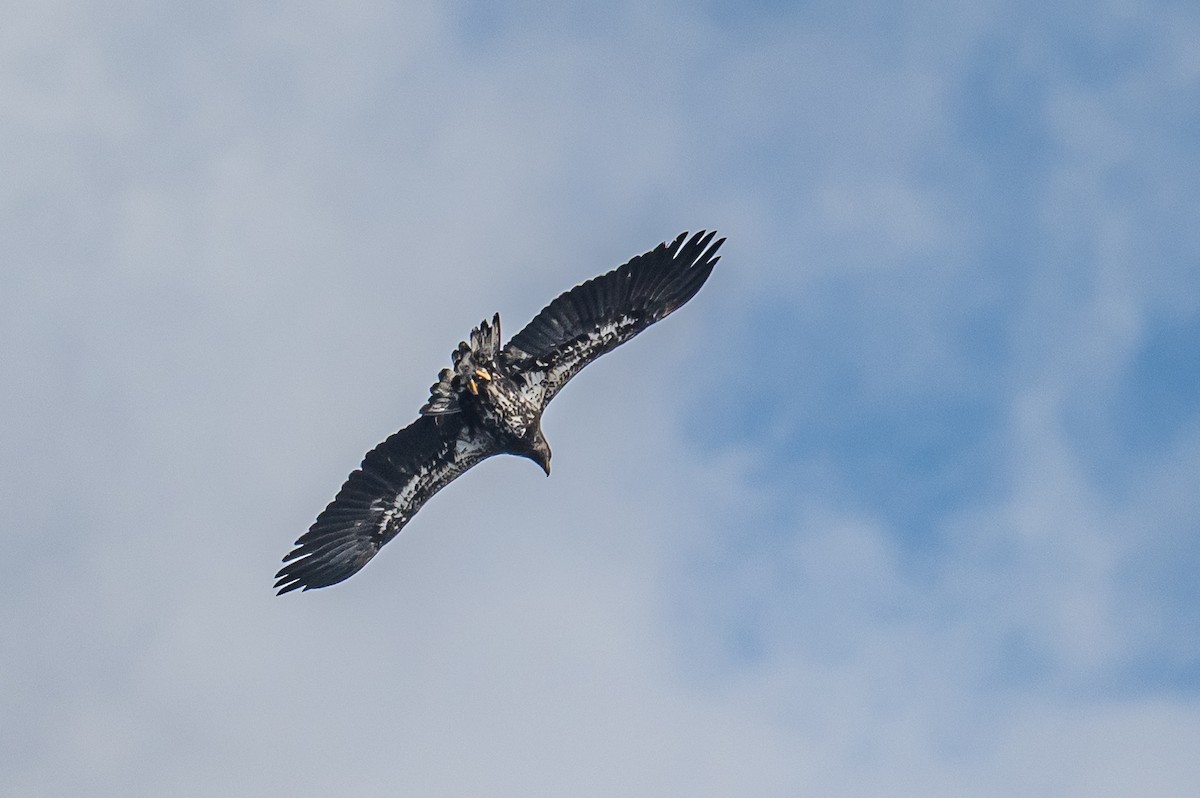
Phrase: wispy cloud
(902, 503)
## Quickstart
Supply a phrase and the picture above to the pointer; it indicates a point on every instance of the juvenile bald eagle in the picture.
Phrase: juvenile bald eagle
(491, 402)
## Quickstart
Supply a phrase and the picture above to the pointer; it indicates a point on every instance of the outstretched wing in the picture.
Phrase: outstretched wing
(396, 478)
(605, 312)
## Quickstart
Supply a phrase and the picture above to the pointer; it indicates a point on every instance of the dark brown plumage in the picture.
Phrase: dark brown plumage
(491, 402)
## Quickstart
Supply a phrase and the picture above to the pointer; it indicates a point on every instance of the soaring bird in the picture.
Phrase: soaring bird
(491, 402)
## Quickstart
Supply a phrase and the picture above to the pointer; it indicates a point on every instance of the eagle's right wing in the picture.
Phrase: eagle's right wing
(605, 312)
(396, 478)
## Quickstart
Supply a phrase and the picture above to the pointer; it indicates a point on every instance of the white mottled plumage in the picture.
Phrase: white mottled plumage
(491, 402)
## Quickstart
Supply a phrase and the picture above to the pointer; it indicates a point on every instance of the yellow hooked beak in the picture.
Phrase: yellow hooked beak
(483, 374)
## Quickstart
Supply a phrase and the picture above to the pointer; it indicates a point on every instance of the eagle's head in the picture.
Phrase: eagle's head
(538, 450)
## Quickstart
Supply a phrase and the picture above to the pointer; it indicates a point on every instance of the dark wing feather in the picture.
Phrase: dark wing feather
(605, 312)
(395, 479)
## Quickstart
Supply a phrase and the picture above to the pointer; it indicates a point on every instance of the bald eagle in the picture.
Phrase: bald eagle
(490, 402)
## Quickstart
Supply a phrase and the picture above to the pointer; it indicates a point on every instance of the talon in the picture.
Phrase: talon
(483, 374)
(472, 387)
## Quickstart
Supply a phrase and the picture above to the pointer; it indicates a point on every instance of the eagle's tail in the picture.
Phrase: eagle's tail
(485, 342)
(481, 353)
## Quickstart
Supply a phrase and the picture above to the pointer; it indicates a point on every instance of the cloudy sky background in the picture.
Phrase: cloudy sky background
(904, 503)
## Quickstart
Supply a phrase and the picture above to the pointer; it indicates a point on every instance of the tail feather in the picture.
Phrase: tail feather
(482, 351)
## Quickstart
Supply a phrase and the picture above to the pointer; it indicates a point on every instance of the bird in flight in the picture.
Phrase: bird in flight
(490, 403)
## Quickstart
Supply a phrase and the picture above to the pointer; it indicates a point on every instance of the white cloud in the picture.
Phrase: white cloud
(233, 234)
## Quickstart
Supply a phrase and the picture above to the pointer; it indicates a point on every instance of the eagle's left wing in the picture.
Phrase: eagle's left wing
(605, 312)
(378, 499)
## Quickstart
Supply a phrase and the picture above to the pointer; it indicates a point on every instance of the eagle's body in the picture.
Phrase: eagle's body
(491, 402)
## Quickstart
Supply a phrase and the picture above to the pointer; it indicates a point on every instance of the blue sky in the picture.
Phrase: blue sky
(902, 503)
